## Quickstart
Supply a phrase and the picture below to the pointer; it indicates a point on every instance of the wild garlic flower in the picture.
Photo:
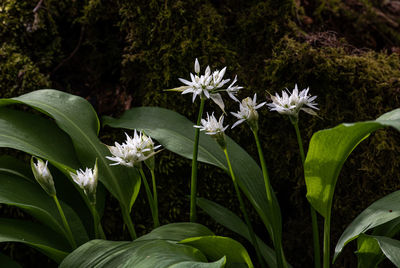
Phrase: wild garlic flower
(291, 103)
(248, 112)
(214, 128)
(209, 84)
(43, 176)
(87, 180)
(211, 126)
(135, 150)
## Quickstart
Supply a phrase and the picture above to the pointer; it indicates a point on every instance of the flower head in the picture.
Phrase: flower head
(135, 150)
(211, 126)
(209, 84)
(248, 111)
(43, 176)
(87, 180)
(214, 128)
(292, 103)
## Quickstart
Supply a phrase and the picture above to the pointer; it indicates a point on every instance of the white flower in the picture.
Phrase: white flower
(248, 111)
(209, 85)
(233, 89)
(211, 126)
(133, 151)
(43, 176)
(87, 180)
(291, 103)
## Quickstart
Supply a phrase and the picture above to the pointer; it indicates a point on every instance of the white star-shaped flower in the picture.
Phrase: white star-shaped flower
(211, 126)
(291, 103)
(247, 110)
(209, 85)
(135, 150)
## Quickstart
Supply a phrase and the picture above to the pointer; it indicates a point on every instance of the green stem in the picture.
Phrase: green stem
(149, 198)
(155, 198)
(128, 221)
(98, 229)
(327, 230)
(70, 237)
(101, 231)
(193, 182)
(243, 208)
(317, 253)
(280, 258)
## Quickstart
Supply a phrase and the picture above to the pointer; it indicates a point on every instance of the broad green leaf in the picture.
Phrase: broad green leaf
(176, 133)
(41, 137)
(329, 149)
(13, 166)
(30, 197)
(390, 248)
(382, 211)
(38, 136)
(216, 247)
(368, 252)
(231, 221)
(176, 232)
(6, 261)
(218, 264)
(138, 254)
(35, 235)
(77, 118)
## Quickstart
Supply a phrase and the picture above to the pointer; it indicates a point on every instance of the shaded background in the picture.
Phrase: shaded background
(123, 53)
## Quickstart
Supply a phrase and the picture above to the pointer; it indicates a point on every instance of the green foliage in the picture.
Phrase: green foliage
(381, 212)
(231, 221)
(172, 245)
(77, 118)
(176, 133)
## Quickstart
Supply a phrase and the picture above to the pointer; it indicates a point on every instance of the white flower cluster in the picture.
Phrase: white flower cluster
(133, 151)
(87, 180)
(291, 103)
(247, 110)
(209, 84)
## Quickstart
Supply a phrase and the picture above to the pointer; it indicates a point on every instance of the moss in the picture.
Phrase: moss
(18, 74)
(372, 24)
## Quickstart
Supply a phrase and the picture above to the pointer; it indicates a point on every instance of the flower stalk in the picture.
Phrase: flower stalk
(150, 199)
(244, 211)
(70, 237)
(98, 229)
(193, 180)
(155, 198)
(280, 257)
(317, 252)
(128, 221)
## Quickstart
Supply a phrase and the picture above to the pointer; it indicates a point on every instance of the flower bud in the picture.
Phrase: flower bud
(87, 180)
(43, 176)
(196, 66)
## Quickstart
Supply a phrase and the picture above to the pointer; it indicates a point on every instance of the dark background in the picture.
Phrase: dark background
(121, 54)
